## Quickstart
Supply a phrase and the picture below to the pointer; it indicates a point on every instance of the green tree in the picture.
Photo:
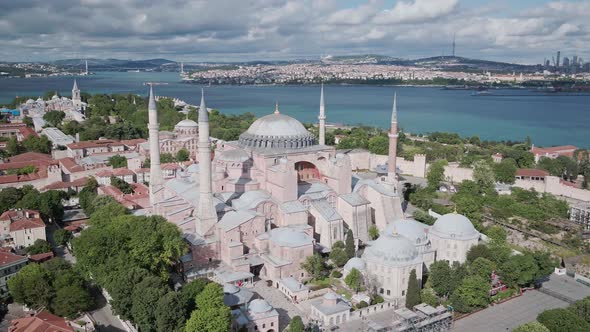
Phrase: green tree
(519, 270)
(9, 197)
(429, 297)
(122, 185)
(70, 301)
(484, 176)
(62, 236)
(211, 296)
(350, 249)
(373, 232)
(117, 161)
(40, 246)
(472, 293)
(558, 320)
(12, 146)
(379, 145)
(581, 308)
(145, 299)
(315, 266)
(296, 325)
(480, 250)
(54, 118)
(182, 155)
(191, 290)
(338, 245)
(482, 267)
(217, 319)
(170, 312)
(31, 286)
(338, 256)
(413, 293)
(505, 171)
(166, 158)
(354, 279)
(533, 326)
(436, 174)
(441, 278)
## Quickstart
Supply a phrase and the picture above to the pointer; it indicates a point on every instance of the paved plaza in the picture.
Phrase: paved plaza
(510, 314)
(272, 295)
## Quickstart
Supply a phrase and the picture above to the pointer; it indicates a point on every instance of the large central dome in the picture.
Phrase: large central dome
(277, 131)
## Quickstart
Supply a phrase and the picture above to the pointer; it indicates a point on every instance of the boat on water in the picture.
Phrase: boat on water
(481, 93)
(133, 71)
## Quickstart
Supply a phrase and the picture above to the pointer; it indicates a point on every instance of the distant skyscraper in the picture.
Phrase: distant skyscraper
(566, 62)
(547, 63)
(575, 61)
(557, 61)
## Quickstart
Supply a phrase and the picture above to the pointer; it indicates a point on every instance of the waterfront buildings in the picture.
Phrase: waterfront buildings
(553, 152)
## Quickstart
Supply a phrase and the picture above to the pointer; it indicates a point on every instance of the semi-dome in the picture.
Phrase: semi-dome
(454, 226)
(259, 306)
(391, 249)
(413, 230)
(330, 296)
(187, 123)
(277, 131)
(355, 263)
(233, 156)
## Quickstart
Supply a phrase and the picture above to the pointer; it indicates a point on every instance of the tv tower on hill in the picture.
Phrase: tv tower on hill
(453, 45)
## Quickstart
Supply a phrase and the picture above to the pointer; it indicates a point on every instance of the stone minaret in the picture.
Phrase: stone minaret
(76, 98)
(206, 214)
(392, 143)
(322, 118)
(155, 169)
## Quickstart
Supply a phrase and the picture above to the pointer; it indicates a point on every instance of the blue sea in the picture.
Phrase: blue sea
(549, 119)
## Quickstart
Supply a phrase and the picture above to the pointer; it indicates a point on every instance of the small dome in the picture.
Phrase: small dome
(54, 97)
(233, 156)
(455, 226)
(391, 249)
(230, 289)
(415, 231)
(330, 296)
(187, 123)
(259, 306)
(355, 263)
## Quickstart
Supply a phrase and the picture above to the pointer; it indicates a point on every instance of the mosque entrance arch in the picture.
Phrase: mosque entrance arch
(306, 171)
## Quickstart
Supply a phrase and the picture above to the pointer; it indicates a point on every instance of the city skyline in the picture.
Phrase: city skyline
(279, 30)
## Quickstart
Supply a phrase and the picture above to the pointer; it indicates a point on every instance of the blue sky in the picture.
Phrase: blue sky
(524, 31)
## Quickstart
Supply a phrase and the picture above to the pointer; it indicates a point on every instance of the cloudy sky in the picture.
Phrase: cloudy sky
(522, 31)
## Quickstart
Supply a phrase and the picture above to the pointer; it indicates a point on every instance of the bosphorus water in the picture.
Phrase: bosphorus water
(505, 115)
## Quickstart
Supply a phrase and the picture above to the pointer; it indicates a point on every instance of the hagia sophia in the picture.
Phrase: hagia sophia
(277, 195)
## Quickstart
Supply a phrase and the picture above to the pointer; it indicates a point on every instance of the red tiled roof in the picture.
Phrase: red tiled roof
(104, 173)
(11, 125)
(39, 258)
(142, 170)
(564, 150)
(94, 144)
(42, 322)
(13, 215)
(29, 156)
(170, 166)
(70, 164)
(26, 132)
(9, 258)
(122, 172)
(64, 185)
(72, 228)
(26, 224)
(532, 172)
(19, 220)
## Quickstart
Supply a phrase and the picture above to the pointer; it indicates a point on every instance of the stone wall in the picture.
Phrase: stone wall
(373, 309)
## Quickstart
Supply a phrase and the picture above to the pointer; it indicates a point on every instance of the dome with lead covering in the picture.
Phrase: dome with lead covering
(355, 263)
(413, 230)
(230, 289)
(454, 226)
(233, 156)
(391, 249)
(259, 306)
(187, 123)
(277, 131)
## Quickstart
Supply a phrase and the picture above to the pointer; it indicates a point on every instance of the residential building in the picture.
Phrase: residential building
(10, 264)
(580, 214)
(21, 228)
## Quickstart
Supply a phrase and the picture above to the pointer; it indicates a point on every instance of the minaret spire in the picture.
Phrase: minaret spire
(322, 118)
(393, 135)
(277, 107)
(76, 97)
(154, 140)
(206, 214)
